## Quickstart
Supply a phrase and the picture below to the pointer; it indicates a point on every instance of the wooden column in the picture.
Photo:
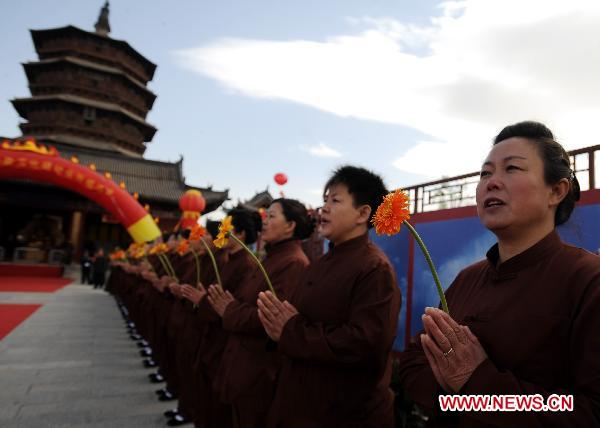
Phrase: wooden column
(75, 234)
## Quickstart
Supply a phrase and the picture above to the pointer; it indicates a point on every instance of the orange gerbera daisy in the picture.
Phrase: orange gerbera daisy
(226, 226)
(133, 249)
(118, 255)
(392, 212)
(224, 229)
(197, 232)
(183, 247)
(159, 249)
(139, 254)
(221, 240)
(390, 215)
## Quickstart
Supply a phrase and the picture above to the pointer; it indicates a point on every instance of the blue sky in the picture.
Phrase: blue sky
(411, 89)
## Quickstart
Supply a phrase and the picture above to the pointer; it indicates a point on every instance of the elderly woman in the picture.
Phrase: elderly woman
(246, 376)
(525, 320)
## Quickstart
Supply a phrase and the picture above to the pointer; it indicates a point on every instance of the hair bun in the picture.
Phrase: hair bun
(575, 188)
(295, 211)
(247, 221)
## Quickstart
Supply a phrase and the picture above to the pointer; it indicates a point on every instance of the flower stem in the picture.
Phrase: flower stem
(162, 262)
(440, 290)
(149, 264)
(214, 262)
(197, 267)
(235, 238)
(169, 268)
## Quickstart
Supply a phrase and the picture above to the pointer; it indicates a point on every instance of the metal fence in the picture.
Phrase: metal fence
(459, 191)
(36, 255)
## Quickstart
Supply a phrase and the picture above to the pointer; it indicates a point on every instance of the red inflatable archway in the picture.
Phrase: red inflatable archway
(31, 161)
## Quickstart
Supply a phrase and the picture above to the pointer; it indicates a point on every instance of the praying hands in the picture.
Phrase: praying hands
(194, 295)
(274, 314)
(452, 350)
(219, 299)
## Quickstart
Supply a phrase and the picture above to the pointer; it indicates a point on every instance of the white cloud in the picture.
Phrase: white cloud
(479, 65)
(322, 150)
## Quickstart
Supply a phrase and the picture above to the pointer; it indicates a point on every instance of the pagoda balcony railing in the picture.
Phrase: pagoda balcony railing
(119, 60)
(96, 94)
(124, 137)
(459, 191)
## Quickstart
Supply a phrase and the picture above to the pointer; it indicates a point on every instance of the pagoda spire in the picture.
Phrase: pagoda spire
(102, 25)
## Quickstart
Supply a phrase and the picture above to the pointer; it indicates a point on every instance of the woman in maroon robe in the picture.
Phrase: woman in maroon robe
(524, 321)
(336, 331)
(248, 370)
(211, 411)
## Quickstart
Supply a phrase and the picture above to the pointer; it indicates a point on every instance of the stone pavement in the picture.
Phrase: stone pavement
(72, 364)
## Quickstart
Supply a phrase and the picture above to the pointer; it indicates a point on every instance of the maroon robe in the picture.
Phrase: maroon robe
(337, 364)
(537, 315)
(193, 332)
(188, 337)
(213, 412)
(246, 376)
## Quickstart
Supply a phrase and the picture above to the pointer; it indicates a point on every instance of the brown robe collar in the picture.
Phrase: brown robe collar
(534, 254)
(348, 246)
(282, 246)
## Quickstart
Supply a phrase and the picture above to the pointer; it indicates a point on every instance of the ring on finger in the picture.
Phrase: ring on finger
(448, 352)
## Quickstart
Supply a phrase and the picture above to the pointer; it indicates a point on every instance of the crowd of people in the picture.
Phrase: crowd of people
(316, 350)
(312, 345)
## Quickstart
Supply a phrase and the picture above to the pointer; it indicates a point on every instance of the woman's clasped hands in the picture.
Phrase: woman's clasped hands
(452, 350)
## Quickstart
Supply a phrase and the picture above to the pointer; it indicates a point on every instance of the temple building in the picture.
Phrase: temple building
(89, 99)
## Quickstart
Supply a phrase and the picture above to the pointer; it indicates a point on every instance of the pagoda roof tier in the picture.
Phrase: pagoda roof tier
(148, 95)
(260, 199)
(71, 32)
(22, 106)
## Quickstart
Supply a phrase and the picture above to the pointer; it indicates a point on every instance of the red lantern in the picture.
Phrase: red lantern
(280, 178)
(192, 200)
(192, 204)
(262, 212)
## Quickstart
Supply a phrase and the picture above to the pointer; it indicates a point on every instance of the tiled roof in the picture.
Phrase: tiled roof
(19, 104)
(259, 200)
(89, 64)
(153, 180)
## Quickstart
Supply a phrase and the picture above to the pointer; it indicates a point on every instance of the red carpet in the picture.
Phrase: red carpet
(8, 269)
(13, 315)
(31, 284)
